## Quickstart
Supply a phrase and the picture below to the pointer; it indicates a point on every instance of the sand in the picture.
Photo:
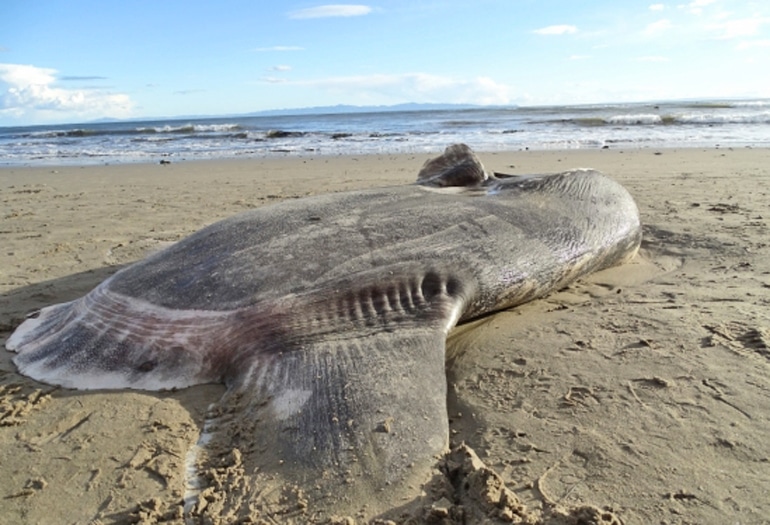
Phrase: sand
(643, 391)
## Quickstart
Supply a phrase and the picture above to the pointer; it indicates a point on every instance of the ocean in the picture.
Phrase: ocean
(707, 124)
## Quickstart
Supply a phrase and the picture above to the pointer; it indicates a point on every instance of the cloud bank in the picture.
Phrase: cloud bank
(74, 78)
(409, 87)
(29, 93)
(332, 10)
(556, 30)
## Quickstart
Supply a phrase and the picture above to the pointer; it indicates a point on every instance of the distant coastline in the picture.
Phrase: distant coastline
(346, 109)
(402, 128)
(339, 109)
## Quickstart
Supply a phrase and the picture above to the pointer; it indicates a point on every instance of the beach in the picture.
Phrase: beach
(642, 391)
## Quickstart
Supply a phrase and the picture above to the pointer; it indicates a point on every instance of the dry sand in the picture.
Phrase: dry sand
(643, 390)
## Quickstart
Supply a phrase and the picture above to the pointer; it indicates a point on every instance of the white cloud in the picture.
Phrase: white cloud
(657, 7)
(556, 30)
(696, 6)
(21, 75)
(280, 67)
(30, 94)
(751, 44)
(740, 28)
(658, 27)
(278, 48)
(411, 87)
(332, 10)
(273, 80)
(701, 3)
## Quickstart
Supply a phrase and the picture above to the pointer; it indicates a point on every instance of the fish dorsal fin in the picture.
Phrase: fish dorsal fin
(457, 166)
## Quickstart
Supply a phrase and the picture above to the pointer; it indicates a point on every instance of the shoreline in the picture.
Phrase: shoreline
(640, 389)
(706, 123)
(486, 156)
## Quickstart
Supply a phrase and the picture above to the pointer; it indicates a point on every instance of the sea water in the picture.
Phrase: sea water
(744, 123)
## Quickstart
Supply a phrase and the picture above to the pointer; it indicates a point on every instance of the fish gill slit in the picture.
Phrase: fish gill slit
(432, 286)
(393, 296)
(367, 302)
(390, 301)
(355, 309)
(320, 319)
(381, 301)
(406, 295)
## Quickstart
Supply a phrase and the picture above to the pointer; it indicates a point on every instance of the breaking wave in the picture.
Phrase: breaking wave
(676, 124)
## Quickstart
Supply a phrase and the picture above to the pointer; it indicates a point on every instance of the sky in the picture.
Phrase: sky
(79, 60)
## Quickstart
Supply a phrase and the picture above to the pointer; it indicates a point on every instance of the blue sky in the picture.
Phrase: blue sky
(76, 60)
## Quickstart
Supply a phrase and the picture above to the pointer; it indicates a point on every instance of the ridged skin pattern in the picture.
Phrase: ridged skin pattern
(327, 316)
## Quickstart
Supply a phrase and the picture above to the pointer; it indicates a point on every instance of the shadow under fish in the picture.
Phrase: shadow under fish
(326, 318)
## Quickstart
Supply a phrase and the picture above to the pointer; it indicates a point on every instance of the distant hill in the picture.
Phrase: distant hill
(345, 108)
(316, 110)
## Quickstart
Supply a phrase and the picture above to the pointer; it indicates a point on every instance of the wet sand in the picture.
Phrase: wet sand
(642, 390)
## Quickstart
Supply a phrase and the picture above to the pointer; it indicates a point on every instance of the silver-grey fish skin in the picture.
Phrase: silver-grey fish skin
(327, 316)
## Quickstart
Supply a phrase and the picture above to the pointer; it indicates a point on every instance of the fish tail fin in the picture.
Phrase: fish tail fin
(104, 340)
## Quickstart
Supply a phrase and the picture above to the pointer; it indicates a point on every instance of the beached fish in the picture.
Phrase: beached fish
(326, 318)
